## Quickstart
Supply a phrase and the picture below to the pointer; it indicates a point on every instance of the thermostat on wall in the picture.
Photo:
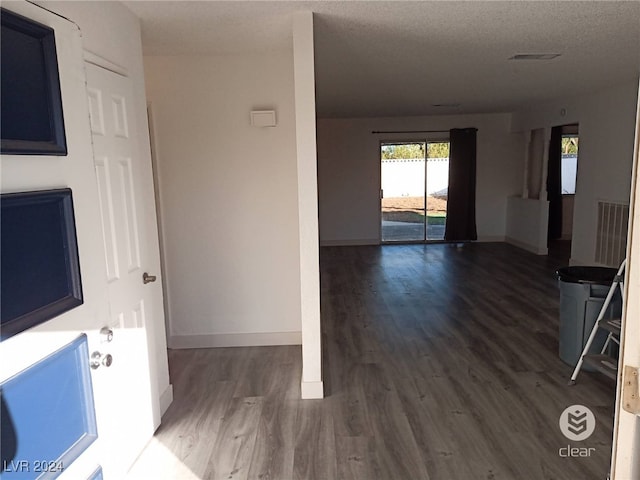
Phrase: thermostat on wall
(263, 118)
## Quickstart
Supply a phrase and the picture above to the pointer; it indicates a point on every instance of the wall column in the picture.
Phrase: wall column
(527, 154)
(545, 164)
(304, 77)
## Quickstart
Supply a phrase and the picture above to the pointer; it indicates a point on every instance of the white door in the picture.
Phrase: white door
(128, 391)
(113, 203)
(626, 442)
(122, 394)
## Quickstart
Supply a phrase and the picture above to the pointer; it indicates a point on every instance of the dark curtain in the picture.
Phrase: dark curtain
(461, 202)
(554, 184)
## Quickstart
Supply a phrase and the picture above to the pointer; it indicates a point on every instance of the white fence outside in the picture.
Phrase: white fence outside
(569, 172)
(405, 178)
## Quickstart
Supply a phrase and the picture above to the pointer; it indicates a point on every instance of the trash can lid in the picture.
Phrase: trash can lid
(589, 275)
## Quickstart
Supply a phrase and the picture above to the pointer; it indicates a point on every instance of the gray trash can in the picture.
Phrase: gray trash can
(582, 294)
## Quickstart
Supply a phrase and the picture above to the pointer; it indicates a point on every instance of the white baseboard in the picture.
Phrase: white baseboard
(311, 390)
(235, 340)
(576, 262)
(166, 399)
(525, 246)
(375, 241)
(492, 239)
(350, 242)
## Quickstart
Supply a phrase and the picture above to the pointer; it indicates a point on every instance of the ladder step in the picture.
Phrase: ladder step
(613, 325)
(604, 364)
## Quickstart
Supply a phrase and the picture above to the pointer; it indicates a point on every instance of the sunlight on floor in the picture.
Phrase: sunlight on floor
(157, 462)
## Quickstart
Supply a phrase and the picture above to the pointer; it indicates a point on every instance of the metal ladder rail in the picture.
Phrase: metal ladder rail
(610, 338)
(618, 281)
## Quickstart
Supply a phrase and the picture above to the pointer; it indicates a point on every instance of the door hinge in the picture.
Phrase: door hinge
(630, 397)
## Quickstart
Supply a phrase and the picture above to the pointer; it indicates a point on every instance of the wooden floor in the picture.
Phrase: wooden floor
(439, 363)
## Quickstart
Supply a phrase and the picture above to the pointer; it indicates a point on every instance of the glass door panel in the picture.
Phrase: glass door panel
(403, 205)
(437, 189)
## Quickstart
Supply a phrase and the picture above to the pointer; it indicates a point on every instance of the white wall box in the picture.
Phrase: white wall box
(263, 118)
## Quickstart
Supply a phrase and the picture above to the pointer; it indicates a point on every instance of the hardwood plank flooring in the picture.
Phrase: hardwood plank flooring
(439, 363)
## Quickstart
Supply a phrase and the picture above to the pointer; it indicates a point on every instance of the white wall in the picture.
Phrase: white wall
(229, 198)
(349, 172)
(536, 187)
(607, 120)
(527, 219)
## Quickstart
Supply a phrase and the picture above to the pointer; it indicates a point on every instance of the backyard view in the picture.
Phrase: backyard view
(411, 209)
(406, 214)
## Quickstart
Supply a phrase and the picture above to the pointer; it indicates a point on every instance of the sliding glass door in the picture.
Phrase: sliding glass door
(437, 189)
(413, 191)
(403, 205)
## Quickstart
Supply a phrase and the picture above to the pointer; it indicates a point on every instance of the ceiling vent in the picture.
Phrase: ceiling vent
(445, 105)
(535, 56)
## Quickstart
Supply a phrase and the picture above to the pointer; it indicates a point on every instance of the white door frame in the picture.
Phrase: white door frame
(414, 141)
(625, 458)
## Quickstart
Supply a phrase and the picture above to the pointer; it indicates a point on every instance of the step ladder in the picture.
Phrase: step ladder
(603, 362)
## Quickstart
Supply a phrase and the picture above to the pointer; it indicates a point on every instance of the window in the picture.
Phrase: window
(569, 164)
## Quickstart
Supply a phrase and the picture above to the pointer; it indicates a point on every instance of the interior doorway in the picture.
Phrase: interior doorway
(561, 184)
(413, 191)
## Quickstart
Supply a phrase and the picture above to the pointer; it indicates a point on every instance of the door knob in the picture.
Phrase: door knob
(98, 359)
(146, 278)
(107, 334)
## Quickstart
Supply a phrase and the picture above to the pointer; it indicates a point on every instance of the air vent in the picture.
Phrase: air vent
(611, 235)
(535, 56)
(445, 105)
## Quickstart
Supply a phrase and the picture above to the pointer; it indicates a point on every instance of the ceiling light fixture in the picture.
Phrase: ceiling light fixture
(535, 56)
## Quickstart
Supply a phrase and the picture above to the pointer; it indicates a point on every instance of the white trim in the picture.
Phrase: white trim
(98, 61)
(374, 241)
(311, 390)
(160, 209)
(527, 154)
(626, 427)
(492, 239)
(349, 242)
(166, 399)
(235, 340)
(527, 247)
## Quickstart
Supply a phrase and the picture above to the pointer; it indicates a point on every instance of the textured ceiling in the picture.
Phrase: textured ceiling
(399, 58)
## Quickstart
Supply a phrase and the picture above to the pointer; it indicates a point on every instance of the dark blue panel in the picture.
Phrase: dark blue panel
(34, 267)
(39, 266)
(25, 113)
(48, 416)
(31, 120)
